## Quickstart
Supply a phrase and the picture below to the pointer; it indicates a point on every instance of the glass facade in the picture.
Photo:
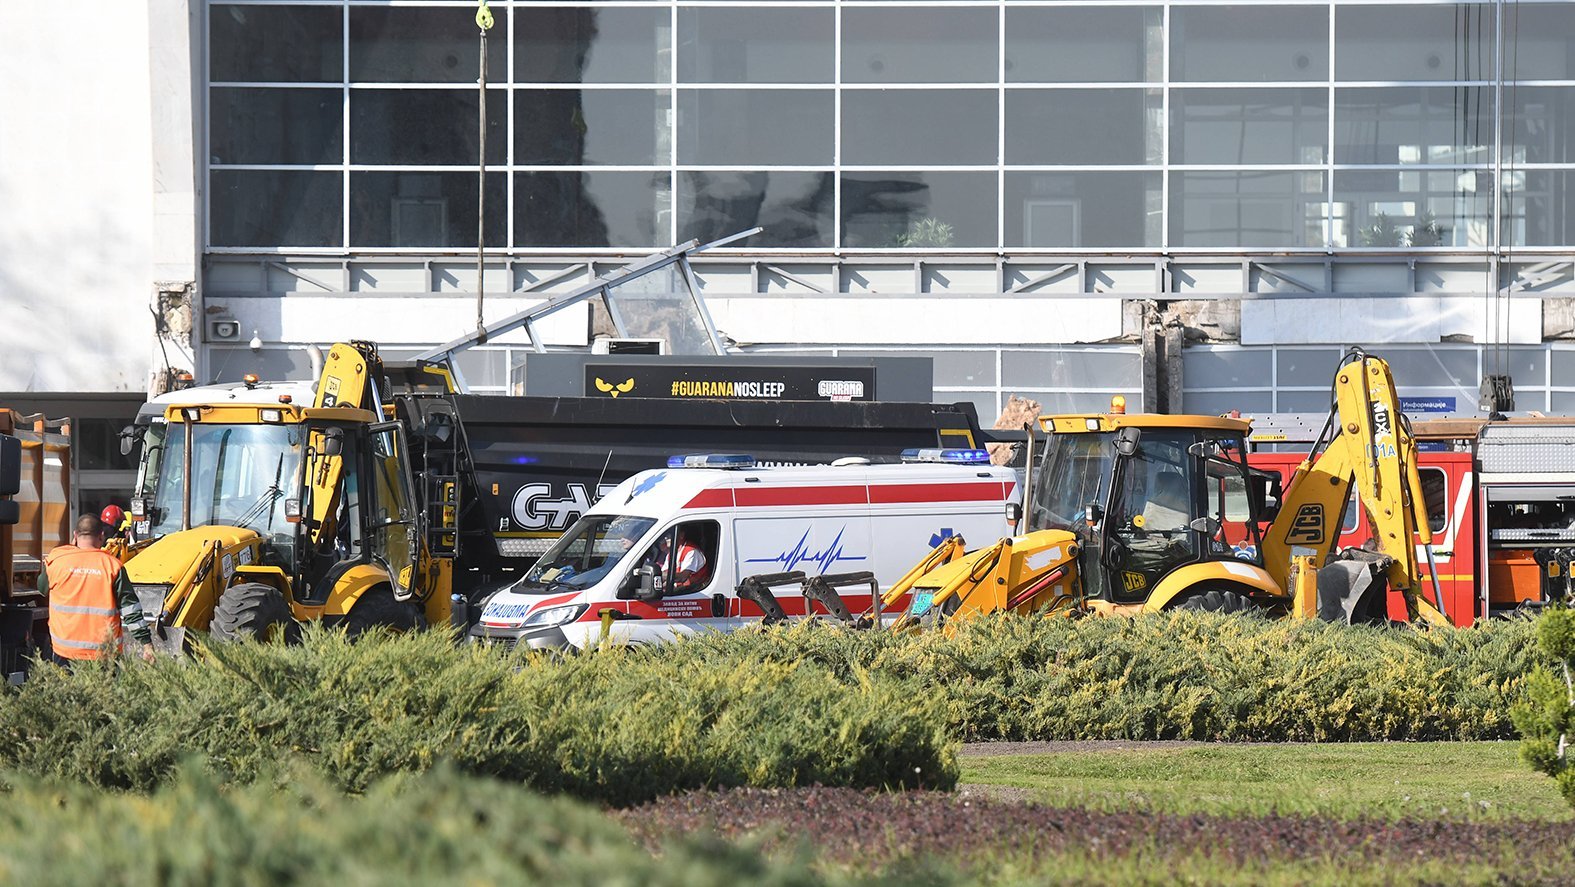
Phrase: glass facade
(1442, 378)
(954, 126)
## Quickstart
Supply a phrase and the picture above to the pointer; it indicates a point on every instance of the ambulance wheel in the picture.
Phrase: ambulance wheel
(377, 608)
(252, 610)
(1217, 600)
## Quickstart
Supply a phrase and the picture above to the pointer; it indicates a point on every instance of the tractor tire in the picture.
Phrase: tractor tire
(1217, 600)
(252, 610)
(377, 608)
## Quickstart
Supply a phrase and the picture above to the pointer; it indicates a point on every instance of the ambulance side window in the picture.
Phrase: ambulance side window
(684, 558)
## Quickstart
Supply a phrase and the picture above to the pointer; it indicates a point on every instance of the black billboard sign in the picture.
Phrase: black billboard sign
(718, 382)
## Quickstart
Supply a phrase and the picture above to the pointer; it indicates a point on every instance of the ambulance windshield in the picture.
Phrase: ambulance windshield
(588, 551)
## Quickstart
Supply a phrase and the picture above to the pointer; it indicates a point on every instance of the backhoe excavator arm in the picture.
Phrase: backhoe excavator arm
(1366, 447)
(349, 379)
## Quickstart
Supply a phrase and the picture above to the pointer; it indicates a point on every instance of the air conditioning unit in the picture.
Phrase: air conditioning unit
(609, 345)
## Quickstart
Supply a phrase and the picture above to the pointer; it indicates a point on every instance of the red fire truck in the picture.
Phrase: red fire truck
(1500, 501)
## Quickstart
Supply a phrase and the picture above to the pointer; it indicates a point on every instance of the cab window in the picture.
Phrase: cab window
(684, 558)
(1435, 492)
(1228, 503)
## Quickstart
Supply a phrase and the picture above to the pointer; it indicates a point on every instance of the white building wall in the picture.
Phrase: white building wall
(75, 204)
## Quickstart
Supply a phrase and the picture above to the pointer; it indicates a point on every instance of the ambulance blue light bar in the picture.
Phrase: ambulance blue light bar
(952, 457)
(712, 460)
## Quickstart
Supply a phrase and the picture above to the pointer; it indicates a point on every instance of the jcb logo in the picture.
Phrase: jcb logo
(1307, 527)
(1134, 581)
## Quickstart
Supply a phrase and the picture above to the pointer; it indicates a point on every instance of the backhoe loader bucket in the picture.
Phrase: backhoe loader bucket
(1354, 589)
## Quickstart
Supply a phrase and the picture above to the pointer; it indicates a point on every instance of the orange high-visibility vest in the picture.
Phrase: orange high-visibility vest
(82, 610)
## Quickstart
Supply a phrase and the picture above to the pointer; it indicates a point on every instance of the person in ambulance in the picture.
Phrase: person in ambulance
(690, 571)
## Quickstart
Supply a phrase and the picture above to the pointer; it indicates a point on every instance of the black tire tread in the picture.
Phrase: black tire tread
(250, 610)
(1217, 600)
(377, 608)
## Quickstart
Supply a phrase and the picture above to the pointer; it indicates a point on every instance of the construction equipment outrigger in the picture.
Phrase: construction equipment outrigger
(1145, 513)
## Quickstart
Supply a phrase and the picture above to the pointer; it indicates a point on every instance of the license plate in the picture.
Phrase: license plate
(922, 601)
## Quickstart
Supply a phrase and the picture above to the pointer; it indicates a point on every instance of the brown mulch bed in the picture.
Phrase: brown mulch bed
(847, 825)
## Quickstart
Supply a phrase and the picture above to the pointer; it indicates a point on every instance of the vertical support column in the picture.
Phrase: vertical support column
(1174, 338)
(1162, 340)
(177, 56)
(1150, 359)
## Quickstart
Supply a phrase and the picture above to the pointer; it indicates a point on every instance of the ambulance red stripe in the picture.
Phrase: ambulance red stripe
(981, 492)
(768, 496)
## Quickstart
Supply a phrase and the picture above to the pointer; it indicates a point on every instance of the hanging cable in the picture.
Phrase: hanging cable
(484, 24)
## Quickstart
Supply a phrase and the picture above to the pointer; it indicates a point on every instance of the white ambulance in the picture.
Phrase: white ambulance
(663, 553)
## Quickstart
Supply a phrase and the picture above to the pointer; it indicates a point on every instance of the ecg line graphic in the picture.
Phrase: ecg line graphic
(800, 554)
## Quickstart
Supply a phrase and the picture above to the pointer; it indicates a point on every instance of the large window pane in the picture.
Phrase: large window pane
(1413, 124)
(756, 127)
(1541, 127)
(588, 45)
(1220, 368)
(1254, 209)
(728, 45)
(794, 208)
(275, 125)
(1441, 366)
(1082, 209)
(1064, 368)
(919, 45)
(272, 208)
(568, 209)
(1082, 126)
(1412, 208)
(1414, 42)
(424, 209)
(1294, 367)
(919, 127)
(1249, 42)
(1539, 41)
(1083, 45)
(1249, 125)
(918, 210)
(412, 44)
(961, 368)
(1539, 208)
(575, 127)
(425, 126)
(275, 43)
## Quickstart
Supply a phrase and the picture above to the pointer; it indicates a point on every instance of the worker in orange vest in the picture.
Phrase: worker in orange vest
(91, 601)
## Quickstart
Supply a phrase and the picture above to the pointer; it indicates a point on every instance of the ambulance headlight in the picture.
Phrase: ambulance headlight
(554, 616)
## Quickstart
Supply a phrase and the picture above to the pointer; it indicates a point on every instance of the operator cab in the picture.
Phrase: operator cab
(1146, 495)
(324, 489)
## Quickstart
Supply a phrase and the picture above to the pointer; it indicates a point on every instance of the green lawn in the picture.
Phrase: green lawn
(1385, 780)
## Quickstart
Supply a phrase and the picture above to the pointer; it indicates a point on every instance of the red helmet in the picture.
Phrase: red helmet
(112, 516)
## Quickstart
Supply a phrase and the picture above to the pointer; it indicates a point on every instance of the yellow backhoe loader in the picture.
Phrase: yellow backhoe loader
(259, 513)
(1142, 513)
